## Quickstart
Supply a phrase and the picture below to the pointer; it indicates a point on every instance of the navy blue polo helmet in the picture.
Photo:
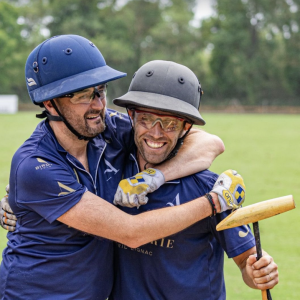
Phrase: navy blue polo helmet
(64, 64)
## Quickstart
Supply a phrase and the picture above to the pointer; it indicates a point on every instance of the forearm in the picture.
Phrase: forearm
(196, 154)
(98, 217)
(157, 224)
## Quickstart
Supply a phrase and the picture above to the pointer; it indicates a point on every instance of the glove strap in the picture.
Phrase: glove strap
(212, 203)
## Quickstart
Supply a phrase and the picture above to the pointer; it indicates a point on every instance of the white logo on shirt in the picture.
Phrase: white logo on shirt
(44, 164)
(110, 169)
(243, 234)
(176, 201)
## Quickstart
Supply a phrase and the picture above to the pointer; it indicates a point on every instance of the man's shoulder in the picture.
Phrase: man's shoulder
(205, 176)
(38, 151)
(115, 119)
(202, 182)
(118, 128)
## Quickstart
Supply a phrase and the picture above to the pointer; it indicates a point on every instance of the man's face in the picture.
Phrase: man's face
(155, 144)
(88, 119)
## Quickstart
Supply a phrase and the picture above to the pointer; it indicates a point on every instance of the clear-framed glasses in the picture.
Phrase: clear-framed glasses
(167, 122)
(87, 95)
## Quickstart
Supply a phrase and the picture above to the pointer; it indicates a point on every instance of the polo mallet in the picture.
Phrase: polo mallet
(254, 213)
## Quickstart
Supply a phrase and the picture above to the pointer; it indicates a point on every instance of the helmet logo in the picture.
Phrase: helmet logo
(31, 82)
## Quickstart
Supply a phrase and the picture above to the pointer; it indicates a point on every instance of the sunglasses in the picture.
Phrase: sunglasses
(167, 122)
(86, 96)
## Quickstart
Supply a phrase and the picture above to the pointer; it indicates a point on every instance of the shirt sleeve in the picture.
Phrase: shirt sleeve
(46, 186)
(234, 241)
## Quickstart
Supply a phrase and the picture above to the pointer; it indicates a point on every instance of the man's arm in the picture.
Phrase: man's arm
(96, 216)
(196, 154)
(261, 274)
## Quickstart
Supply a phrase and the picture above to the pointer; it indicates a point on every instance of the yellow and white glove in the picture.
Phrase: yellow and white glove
(7, 218)
(132, 192)
(230, 188)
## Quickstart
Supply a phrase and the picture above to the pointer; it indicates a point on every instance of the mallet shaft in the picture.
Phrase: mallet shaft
(266, 295)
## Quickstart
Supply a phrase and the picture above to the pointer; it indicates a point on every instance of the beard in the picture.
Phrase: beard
(150, 156)
(90, 131)
(83, 124)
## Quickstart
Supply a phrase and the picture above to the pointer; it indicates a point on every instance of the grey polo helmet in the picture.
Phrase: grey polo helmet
(166, 86)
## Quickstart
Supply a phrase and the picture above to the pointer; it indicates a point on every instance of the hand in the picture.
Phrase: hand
(263, 272)
(132, 191)
(7, 217)
(230, 188)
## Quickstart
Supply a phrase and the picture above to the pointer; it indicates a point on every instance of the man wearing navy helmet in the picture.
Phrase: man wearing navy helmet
(73, 161)
(162, 103)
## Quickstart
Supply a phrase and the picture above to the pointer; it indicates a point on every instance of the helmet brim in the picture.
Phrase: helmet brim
(75, 83)
(160, 102)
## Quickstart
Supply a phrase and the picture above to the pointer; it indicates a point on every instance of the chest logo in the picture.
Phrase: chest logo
(176, 201)
(43, 164)
(110, 168)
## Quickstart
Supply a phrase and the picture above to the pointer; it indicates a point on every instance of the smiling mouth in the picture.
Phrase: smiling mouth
(154, 145)
(93, 117)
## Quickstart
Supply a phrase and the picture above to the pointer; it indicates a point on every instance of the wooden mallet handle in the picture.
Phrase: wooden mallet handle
(266, 295)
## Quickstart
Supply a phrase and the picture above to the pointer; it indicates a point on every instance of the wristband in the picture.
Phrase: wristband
(212, 203)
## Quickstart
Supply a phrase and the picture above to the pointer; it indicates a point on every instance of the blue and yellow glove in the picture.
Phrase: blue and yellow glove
(132, 192)
(7, 218)
(230, 188)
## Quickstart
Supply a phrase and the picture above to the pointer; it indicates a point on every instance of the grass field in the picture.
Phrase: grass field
(264, 149)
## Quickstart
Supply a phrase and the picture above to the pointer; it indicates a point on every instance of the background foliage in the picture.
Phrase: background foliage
(247, 51)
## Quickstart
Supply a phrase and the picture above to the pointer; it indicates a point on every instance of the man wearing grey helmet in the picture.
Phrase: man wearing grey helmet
(63, 179)
(162, 103)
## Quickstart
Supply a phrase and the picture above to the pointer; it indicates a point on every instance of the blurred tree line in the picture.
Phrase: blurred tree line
(247, 50)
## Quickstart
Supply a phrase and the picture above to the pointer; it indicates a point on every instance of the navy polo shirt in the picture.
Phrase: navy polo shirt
(44, 258)
(186, 265)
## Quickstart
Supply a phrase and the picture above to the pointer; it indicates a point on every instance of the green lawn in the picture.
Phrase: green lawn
(264, 149)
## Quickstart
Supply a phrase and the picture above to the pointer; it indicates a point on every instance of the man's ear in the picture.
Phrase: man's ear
(131, 115)
(48, 105)
(187, 126)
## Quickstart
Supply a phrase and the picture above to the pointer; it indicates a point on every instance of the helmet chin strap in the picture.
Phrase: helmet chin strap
(60, 117)
(179, 143)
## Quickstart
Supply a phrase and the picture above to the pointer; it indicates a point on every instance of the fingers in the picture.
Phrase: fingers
(8, 222)
(5, 205)
(131, 198)
(9, 217)
(265, 272)
(9, 228)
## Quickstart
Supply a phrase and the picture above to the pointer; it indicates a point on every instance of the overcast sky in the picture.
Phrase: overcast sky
(203, 10)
